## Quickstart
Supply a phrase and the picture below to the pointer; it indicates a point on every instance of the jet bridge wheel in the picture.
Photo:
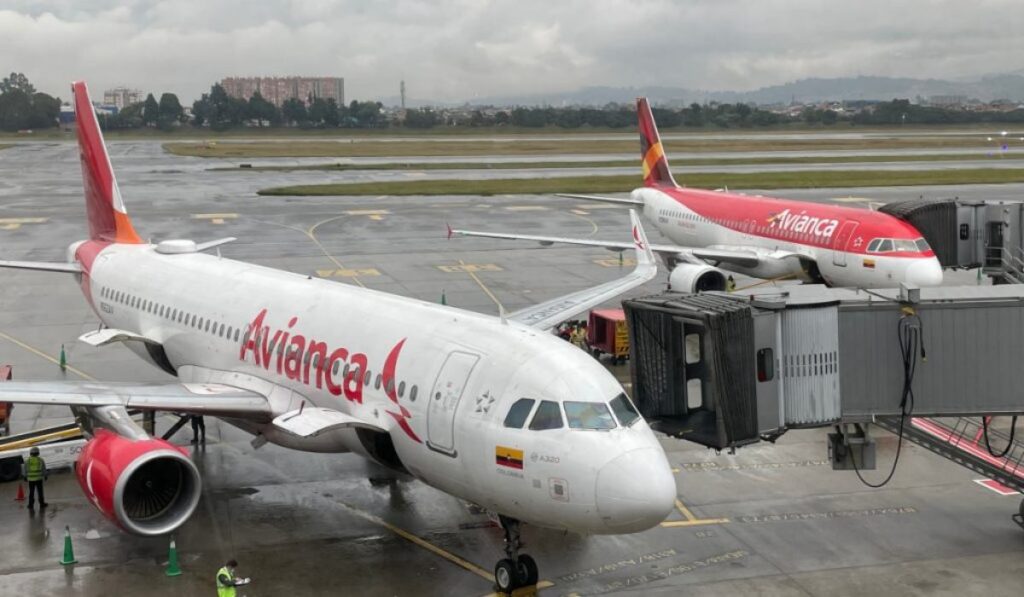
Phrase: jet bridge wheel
(516, 570)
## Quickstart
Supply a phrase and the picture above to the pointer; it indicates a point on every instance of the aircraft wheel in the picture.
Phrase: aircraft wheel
(527, 570)
(506, 576)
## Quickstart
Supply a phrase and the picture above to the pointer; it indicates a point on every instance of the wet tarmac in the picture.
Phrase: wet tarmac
(770, 519)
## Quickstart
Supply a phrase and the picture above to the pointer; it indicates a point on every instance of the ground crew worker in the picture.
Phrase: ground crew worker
(198, 428)
(35, 474)
(730, 284)
(226, 580)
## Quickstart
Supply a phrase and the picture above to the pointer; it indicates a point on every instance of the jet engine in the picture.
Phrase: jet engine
(691, 277)
(147, 486)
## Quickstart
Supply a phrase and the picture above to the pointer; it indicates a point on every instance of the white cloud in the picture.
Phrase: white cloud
(457, 49)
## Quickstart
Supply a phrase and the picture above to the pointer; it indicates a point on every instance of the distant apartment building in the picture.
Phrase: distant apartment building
(278, 89)
(122, 97)
(947, 101)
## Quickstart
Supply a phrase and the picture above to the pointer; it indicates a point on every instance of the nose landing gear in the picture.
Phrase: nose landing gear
(516, 570)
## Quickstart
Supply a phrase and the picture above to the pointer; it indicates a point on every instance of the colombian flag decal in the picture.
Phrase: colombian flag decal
(869, 263)
(509, 457)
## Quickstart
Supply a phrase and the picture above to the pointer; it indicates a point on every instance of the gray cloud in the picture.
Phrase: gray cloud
(460, 49)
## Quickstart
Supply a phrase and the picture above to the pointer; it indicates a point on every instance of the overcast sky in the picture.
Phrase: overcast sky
(461, 49)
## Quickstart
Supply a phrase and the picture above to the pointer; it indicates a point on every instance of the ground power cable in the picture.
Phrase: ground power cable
(910, 333)
(1009, 443)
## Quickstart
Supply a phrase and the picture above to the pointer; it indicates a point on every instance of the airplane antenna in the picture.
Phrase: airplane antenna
(218, 252)
(502, 314)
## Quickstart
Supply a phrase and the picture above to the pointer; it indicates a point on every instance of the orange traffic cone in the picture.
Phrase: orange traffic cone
(21, 493)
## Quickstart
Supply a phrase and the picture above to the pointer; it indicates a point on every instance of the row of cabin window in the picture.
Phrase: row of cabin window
(683, 215)
(735, 224)
(313, 358)
(180, 316)
(226, 331)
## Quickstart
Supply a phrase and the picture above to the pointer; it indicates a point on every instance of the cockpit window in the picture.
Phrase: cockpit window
(589, 415)
(873, 245)
(922, 245)
(886, 245)
(548, 416)
(624, 410)
(905, 245)
(516, 416)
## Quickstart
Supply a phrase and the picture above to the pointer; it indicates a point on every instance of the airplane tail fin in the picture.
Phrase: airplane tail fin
(655, 164)
(108, 220)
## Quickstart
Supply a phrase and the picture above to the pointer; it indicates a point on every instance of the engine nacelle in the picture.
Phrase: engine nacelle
(691, 278)
(148, 487)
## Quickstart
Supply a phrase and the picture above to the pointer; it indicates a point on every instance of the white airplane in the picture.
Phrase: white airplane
(760, 236)
(493, 410)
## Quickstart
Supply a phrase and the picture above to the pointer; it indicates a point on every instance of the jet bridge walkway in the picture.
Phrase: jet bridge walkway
(729, 369)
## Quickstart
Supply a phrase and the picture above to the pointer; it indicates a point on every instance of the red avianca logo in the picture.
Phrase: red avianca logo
(312, 363)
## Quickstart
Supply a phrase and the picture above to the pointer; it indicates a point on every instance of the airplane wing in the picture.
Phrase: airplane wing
(673, 252)
(616, 200)
(550, 313)
(43, 266)
(212, 399)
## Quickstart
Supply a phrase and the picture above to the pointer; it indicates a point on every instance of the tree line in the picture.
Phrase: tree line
(22, 107)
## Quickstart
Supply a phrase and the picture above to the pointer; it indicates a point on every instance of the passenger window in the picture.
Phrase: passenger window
(337, 365)
(588, 415)
(236, 335)
(412, 394)
(401, 389)
(624, 410)
(548, 416)
(516, 416)
(376, 382)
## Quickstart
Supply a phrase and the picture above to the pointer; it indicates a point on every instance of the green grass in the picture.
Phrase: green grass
(611, 184)
(366, 147)
(619, 163)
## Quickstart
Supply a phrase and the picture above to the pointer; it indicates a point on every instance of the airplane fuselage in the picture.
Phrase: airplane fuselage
(849, 246)
(438, 381)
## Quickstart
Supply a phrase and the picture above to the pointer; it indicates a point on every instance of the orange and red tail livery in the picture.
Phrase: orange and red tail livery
(655, 164)
(108, 220)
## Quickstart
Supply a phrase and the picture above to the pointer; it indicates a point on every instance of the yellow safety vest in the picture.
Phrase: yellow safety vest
(34, 468)
(225, 590)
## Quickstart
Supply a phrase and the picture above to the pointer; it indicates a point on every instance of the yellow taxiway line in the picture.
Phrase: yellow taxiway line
(691, 520)
(42, 354)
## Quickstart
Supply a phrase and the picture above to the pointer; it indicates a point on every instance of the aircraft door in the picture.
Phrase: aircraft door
(841, 242)
(444, 401)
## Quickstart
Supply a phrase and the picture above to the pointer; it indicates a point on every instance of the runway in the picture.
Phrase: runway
(770, 519)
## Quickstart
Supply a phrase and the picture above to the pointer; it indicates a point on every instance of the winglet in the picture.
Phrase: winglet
(652, 154)
(644, 254)
(108, 220)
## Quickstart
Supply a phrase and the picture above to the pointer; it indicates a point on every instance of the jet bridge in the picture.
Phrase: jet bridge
(728, 369)
(967, 234)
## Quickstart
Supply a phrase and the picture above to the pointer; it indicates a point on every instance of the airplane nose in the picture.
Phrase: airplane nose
(925, 272)
(635, 491)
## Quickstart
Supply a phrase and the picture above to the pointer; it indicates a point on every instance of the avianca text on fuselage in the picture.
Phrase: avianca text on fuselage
(802, 223)
(292, 363)
(296, 355)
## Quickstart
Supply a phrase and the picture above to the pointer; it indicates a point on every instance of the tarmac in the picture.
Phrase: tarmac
(771, 519)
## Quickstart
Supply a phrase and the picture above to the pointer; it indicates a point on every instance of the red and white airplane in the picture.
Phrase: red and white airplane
(493, 410)
(760, 236)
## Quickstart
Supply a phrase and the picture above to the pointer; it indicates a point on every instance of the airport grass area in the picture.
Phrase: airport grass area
(340, 167)
(454, 147)
(612, 184)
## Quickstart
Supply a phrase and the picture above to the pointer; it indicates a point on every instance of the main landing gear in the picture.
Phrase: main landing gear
(516, 570)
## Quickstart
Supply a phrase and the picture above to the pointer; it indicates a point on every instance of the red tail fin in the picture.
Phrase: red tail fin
(108, 220)
(655, 164)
